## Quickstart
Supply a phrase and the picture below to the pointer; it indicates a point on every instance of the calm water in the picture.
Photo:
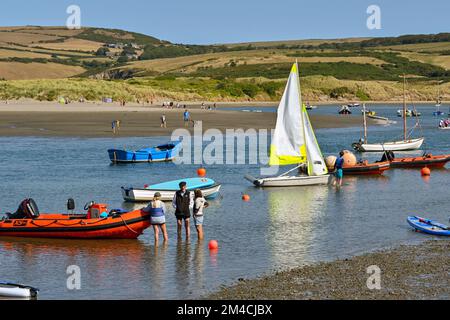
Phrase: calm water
(278, 228)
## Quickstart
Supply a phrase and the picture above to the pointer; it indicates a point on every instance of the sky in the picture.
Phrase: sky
(230, 21)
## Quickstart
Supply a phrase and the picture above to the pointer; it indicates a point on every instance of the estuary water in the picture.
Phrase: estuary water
(277, 229)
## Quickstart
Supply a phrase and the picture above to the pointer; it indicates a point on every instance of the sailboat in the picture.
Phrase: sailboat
(402, 145)
(294, 142)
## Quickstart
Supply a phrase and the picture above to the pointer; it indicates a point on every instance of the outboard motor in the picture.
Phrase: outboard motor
(28, 209)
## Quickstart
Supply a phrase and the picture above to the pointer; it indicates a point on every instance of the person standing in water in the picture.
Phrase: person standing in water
(183, 203)
(339, 173)
(199, 204)
(157, 210)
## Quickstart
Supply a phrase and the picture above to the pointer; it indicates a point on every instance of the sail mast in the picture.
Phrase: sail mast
(365, 123)
(404, 107)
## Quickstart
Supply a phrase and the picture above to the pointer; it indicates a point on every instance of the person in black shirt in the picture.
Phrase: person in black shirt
(183, 202)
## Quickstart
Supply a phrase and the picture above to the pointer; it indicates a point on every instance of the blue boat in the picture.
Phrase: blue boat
(164, 152)
(428, 226)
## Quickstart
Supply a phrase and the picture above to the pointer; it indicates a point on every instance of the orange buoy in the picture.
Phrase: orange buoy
(246, 197)
(213, 245)
(425, 171)
(201, 172)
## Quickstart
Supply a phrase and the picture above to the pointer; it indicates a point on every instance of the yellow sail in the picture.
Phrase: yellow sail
(288, 141)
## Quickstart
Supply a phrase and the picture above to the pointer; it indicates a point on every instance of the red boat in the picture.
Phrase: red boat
(366, 168)
(97, 223)
(427, 160)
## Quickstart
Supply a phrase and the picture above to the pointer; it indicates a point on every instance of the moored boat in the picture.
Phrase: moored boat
(96, 223)
(14, 290)
(428, 226)
(164, 152)
(209, 188)
(427, 160)
(294, 142)
(366, 168)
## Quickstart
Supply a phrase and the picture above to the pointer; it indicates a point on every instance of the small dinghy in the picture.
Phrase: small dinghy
(427, 160)
(164, 152)
(428, 226)
(209, 188)
(14, 290)
(97, 223)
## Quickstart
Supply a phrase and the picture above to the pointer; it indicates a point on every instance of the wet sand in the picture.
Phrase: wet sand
(407, 272)
(94, 120)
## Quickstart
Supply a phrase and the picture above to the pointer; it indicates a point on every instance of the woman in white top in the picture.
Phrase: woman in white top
(199, 204)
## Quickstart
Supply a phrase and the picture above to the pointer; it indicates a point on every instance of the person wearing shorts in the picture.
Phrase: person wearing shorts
(199, 204)
(157, 211)
(183, 203)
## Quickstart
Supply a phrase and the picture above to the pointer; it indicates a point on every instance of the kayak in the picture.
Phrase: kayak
(428, 226)
(13, 290)
(97, 223)
(209, 188)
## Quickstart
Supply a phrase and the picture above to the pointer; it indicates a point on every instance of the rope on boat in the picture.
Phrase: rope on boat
(126, 225)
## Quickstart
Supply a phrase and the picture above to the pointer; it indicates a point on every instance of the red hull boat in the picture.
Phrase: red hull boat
(366, 168)
(96, 224)
(429, 161)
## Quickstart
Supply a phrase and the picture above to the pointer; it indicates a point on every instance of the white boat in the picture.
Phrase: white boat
(294, 142)
(444, 128)
(13, 290)
(402, 145)
(209, 188)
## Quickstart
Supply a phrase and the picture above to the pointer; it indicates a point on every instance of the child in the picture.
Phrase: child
(199, 204)
(157, 218)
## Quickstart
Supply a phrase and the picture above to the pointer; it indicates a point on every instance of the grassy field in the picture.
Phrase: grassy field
(142, 67)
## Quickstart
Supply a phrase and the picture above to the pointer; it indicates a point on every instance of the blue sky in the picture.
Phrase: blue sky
(224, 21)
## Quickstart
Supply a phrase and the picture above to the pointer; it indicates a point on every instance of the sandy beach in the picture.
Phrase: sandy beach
(94, 119)
(407, 272)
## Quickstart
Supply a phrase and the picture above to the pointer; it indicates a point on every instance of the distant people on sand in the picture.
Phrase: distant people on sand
(157, 211)
(183, 202)
(115, 125)
(186, 117)
(163, 121)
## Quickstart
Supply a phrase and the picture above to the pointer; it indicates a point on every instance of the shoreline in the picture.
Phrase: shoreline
(413, 271)
(94, 120)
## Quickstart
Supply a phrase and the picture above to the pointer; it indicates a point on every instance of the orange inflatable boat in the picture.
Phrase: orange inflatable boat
(428, 160)
(366, 168)
(97, 223)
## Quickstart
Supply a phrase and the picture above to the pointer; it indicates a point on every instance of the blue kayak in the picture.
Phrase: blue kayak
(164, 152)
(428, 226)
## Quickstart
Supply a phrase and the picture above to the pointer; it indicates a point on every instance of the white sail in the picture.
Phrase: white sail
(288, 141)
(316, 163)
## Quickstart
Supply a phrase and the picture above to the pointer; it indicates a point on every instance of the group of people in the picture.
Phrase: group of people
(209, 107)
(444, 123)
(183, 202)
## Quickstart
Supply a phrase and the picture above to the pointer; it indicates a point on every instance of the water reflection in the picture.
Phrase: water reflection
(295, 214)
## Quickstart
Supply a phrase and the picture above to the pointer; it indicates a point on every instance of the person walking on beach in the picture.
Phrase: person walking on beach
(163, 121)
(183, 203)
(339, 173)
(186, 118)
(157, 211)
(199, 204)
